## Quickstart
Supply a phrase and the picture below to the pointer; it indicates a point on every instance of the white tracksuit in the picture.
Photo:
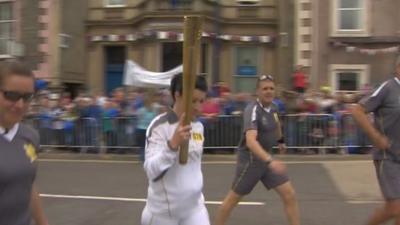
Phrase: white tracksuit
(175, 191)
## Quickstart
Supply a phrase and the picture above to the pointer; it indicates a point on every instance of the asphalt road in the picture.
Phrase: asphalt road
(80, 190)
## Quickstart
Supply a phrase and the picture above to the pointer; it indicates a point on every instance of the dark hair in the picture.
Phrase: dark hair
(397, 61)
(177, 84)
(8, 68)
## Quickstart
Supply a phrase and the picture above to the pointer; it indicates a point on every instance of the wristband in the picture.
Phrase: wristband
(281, 140)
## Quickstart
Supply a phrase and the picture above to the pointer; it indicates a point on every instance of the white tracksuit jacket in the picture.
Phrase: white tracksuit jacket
(174, 190)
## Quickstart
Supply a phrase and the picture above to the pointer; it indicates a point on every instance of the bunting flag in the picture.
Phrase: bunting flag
(367, 51)
(169, 35)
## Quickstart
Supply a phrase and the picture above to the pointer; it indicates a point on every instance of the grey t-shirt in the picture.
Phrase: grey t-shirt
(265, 121)
(17, 173)
(384, 102)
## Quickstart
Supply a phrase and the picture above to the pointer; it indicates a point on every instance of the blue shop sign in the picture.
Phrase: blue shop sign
(247, 70)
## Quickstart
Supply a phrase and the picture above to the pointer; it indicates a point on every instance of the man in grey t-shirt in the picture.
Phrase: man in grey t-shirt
(261, 132)
(19, 200)
(384, 102)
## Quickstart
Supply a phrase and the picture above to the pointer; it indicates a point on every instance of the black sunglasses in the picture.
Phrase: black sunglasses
(266, 77)
(15, 96)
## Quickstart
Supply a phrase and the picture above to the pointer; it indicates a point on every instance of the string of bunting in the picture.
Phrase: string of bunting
(368, 51)
(168, 35)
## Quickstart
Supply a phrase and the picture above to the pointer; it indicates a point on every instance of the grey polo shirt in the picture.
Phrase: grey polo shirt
(17, 173)
(265, 121)
(384, 102)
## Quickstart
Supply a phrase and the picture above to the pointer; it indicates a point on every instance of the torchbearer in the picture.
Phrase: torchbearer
(174, 147)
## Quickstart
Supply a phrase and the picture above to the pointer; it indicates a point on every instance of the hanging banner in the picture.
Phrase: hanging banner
(137, 76)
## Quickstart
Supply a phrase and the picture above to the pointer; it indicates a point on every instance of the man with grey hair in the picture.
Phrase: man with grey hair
(384, 102)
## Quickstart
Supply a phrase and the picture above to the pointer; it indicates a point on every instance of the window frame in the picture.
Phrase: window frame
(362, 70)
(235, 64)
(9, 39)
(252, 78)
(364, 29)
(108, 5)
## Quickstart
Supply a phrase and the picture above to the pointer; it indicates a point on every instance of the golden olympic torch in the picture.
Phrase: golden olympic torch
(191, 55)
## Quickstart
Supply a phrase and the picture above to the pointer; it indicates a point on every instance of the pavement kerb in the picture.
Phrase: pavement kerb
(206, 157)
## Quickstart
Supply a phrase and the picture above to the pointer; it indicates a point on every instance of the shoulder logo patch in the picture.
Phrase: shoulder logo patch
(197, 136)
(30, 152)
(276, 117)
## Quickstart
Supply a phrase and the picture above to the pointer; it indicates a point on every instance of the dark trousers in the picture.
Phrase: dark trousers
(141, 142)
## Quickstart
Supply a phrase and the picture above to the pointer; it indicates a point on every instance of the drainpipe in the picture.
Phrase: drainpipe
(216, 44)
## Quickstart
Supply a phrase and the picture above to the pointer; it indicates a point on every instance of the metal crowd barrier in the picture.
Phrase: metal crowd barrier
(351, 136)
(86, 134)
(222, 132)
(324, 132)
(312, 131)
(318, 132)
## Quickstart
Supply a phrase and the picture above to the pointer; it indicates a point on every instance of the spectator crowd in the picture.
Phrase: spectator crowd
(56, 115)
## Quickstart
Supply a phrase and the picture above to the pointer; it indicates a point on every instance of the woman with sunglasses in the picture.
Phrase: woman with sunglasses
(19, 199)
(261, 132)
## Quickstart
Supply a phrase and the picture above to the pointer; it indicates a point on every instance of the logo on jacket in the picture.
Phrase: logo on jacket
(197, 136)
(30, 152)
(276, 117)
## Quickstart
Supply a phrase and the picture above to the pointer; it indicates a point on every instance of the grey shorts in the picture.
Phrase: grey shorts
(388, 173)
(250, 170)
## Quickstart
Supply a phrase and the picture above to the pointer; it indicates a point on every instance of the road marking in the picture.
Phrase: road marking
(299, 162)
(207, 202)
(240, 203)
(365, 202)
(90, 161)
(94, 198)
(133, 199)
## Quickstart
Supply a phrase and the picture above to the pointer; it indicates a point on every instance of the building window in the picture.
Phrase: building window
(65, 40)
(350, 15)
(349, 78)
(115, 56)
(115, 3)
(248, 2)
(246, 61)
(181, 3)
(6, 27)
(246, 68)
(204, 59)
(172, 56)
(350, 18)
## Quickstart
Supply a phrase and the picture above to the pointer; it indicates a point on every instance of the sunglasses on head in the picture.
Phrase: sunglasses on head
(266, 77)
(15, 96)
